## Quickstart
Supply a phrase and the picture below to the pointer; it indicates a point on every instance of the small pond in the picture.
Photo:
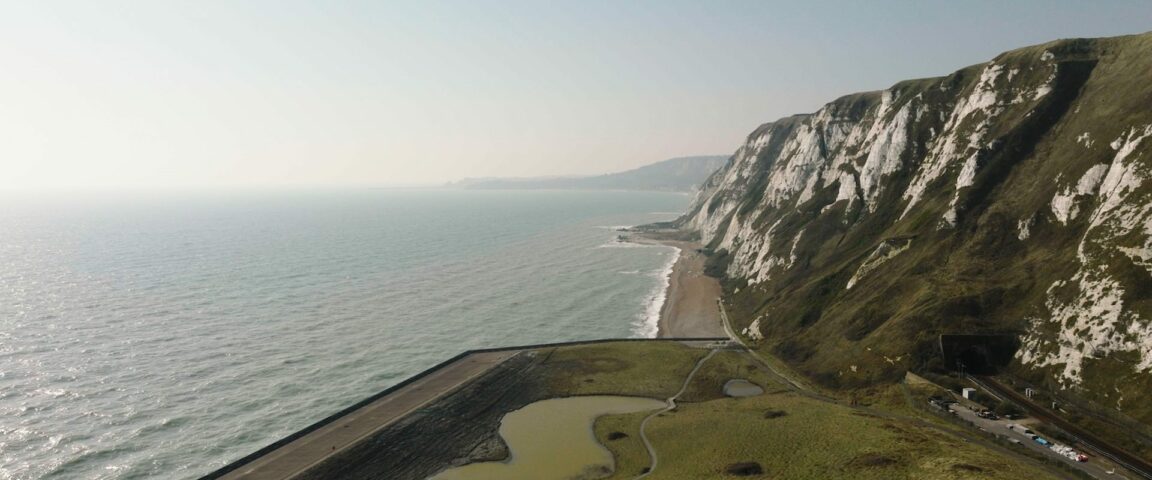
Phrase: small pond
(739, 387)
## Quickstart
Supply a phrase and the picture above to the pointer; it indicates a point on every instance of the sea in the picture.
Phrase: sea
(166, 334)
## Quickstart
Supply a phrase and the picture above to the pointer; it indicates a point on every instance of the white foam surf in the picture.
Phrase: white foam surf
(648, 325)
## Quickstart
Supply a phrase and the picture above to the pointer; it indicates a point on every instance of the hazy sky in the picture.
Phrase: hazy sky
(236, 93)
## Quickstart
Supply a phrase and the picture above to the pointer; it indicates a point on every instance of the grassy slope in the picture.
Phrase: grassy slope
(813, 438)
(651, 369)
(977, 277)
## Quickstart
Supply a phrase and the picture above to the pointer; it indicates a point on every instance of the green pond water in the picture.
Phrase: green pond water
(739, 387)
(553, 439)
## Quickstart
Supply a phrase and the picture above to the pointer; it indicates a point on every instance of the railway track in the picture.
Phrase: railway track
(1136, 464)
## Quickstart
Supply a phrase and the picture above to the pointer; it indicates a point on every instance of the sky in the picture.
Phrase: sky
(203, 93)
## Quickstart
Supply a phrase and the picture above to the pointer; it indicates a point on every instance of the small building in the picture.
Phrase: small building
(968, 393)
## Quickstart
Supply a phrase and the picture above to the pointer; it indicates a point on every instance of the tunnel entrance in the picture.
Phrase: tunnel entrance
(978, 354)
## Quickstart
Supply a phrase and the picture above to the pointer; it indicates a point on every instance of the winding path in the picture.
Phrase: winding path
(736, 338)
(671, 405)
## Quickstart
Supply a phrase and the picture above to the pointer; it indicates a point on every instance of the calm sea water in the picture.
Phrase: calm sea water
(165, 335)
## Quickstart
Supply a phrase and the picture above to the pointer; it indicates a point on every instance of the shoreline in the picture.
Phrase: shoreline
(689, 308)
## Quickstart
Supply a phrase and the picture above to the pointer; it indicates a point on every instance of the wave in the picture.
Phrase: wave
(648, 325)
(436, 283)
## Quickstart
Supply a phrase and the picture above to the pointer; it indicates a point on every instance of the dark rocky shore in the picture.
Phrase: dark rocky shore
(457, 429)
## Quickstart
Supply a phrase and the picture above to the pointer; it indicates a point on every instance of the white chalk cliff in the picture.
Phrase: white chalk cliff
(1013, 196)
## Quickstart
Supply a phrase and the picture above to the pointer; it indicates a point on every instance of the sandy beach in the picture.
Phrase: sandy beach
(690, 304)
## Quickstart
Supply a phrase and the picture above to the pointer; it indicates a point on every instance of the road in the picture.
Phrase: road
(756, 355)
(1000, 429)
(1138, 466)
(1096, 469)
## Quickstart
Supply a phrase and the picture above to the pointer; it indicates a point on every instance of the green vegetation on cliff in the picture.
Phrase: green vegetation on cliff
(1013, 196)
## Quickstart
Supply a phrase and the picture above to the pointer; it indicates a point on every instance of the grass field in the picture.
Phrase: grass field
(792, 435)
(726, 365)
(643, 369)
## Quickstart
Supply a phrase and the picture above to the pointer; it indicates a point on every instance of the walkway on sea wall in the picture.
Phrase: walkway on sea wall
(296, 454)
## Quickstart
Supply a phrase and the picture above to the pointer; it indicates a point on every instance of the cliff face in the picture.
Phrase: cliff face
(1013, 196)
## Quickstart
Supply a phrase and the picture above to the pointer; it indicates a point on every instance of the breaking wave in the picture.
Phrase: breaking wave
(648, 324)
